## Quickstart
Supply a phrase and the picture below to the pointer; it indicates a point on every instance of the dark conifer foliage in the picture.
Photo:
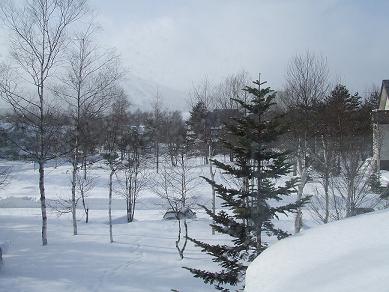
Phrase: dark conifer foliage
(250, 209)
(199, 126)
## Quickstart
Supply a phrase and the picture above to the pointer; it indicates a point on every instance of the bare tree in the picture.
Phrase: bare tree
(230, 89)
(203, 92)
(84, 184)
(134, 169)
(116, 122)
(175, 186)
(38, 37)
(64, 204)
(92, 73)
(306, 83)
(175, 134)
(349, 192)
(156, 123)
(323, 163)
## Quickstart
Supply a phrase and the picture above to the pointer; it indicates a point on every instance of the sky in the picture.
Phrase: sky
(175, 44)
(179, 42)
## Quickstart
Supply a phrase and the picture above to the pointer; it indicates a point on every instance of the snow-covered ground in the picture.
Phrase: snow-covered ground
(23, 190)
(335, 257)
(351, 255)
(142, 258)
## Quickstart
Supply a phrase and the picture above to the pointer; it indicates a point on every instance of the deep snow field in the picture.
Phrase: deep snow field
(142, 258)
(349, 255)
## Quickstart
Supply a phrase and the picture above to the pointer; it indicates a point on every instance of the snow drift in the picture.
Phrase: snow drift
(349, 255)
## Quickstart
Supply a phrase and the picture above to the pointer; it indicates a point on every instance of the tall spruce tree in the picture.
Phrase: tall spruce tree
(249, 211)
(200, 129)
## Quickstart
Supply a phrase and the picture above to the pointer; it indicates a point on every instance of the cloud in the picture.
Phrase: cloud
(178, 42)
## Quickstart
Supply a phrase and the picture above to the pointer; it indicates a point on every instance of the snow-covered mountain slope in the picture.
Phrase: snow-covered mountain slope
(141, 93)
(346, 256)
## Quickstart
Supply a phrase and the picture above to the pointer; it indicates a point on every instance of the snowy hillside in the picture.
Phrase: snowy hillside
(344, 256)
(141, 93)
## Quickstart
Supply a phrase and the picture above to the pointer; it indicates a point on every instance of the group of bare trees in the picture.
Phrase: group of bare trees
(176, 186)
(55, 68)
(330, 136)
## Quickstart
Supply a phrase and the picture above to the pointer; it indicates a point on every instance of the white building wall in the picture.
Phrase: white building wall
(384, 137)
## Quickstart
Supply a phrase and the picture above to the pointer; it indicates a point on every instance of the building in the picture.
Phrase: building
(380, 119)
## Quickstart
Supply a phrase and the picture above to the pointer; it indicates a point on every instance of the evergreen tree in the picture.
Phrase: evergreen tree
(200, 129)
(252, 207)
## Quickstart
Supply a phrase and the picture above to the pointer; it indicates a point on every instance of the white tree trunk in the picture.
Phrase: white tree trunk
(212, 174)
(110, 206)
(302, 172)
(43, 201)
(74, 180)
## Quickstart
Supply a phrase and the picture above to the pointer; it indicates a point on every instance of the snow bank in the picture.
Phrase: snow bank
(349, 255)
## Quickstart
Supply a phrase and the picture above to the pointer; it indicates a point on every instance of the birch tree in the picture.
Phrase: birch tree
(38, 35)
(134, 169)
(230, 89)
(113, 133)
(175, 185)
(92, 73)
(306, 83)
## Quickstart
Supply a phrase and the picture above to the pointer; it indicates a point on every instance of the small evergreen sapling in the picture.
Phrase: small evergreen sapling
(249, 210)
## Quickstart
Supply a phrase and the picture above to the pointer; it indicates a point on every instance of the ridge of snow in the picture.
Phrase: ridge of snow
(351, 255)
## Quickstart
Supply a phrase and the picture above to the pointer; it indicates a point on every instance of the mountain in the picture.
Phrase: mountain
(141, 93)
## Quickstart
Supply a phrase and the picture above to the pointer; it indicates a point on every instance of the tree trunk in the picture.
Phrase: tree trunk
(84, 164)
(326, 178)
(128, 197)
(42, 163)
(157, 155)
(350, 208)
(212, 174)
(86, 215)
(43, 201)
(86, 210)
(303, 174)
(295, 167)
(327, 198)
(110, 205)
(181, 249)
(74, 181)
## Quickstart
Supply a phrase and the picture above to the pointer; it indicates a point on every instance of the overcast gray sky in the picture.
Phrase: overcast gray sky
(178, 42)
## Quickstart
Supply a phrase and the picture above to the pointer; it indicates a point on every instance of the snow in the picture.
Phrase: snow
(349, 255)
(336, 257)
(23, 191)
(142, 258)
